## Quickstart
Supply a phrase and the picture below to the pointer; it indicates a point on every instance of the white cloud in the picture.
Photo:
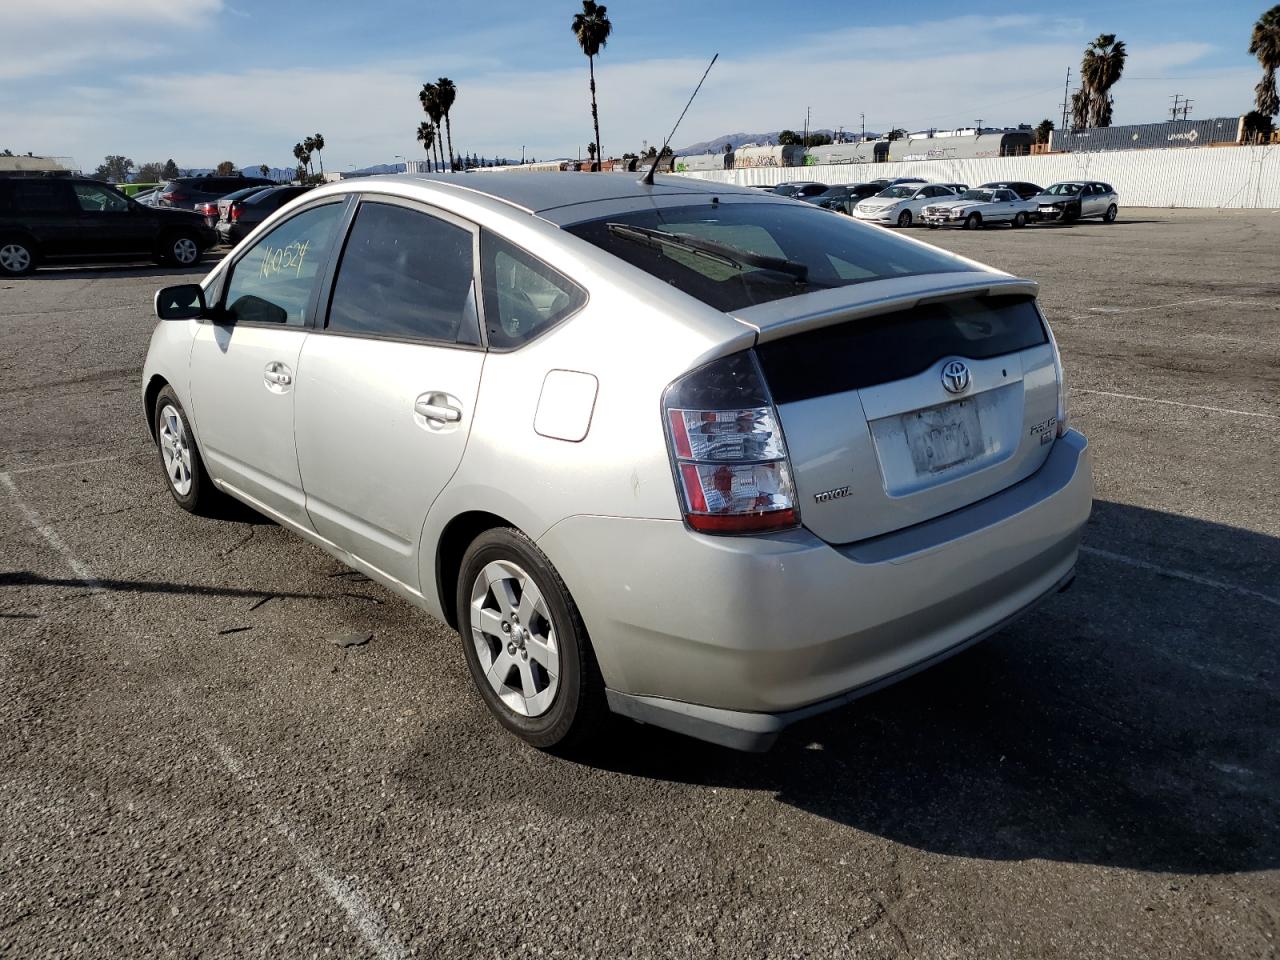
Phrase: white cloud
(1001, 70)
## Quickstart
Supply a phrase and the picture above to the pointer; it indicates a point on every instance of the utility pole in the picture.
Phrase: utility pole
(522, 154)
(1066, 99)
(1186, 107)
(1173, 111)
(805, 141)
(863, 117)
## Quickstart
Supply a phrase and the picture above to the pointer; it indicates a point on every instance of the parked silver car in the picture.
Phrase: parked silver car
(703, 456)
(1073, 200)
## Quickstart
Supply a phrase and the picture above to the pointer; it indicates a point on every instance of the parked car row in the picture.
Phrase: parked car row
(47, 219)
(907, 201)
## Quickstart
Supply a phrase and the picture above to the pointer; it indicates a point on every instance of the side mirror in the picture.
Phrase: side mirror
(182, 302)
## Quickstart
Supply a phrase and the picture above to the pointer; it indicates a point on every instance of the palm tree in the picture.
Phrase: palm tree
(1265, 45)
(317, 144)
(427, 136)
(591, 153)
(309, 145)
(1099, 71)
(429, 97)
(302, 153)
(592, 28)
(446, 93)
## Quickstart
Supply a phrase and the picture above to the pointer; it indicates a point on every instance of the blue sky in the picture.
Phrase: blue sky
(205, 80)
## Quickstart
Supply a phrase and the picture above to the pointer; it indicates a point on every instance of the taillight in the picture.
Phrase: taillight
(730, 458)
(234, 212)
(1062, 383)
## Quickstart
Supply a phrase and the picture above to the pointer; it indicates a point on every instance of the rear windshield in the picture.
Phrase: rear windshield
(735, 255)
(892, 346)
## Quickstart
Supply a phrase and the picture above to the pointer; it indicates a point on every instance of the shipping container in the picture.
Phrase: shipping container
(1146, 136)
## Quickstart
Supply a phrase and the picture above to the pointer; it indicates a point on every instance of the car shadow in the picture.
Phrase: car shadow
(1131, 721)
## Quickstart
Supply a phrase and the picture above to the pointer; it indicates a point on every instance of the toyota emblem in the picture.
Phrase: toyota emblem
(955, 377)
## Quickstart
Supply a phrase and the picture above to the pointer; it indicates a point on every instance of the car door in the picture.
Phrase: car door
(244, 366)
(1006, 204)
(46, 208)
(109, 224)
(388, 387)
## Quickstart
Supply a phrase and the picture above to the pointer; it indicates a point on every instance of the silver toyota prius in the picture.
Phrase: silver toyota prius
(697, 455)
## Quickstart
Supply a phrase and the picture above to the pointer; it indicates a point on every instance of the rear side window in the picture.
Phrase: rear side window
(759, 252)
(523, 297)
(273, 282)
(405, 274)
(874, 350)
(32, 196)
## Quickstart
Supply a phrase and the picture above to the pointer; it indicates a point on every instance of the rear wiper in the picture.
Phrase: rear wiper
(719, 252)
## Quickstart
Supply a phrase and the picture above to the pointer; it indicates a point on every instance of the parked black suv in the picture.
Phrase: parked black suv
(186, 192)
(75, 218)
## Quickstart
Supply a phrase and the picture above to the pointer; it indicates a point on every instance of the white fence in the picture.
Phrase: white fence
(1246, 177)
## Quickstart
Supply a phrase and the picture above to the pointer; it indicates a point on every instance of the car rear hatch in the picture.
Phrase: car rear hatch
(899, 405)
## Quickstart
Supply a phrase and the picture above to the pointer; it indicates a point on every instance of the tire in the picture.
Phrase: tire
(1110, 216)
(565, 710)
(179, 250)
(180, 459)
(1019, 220)
(17, 257)
(904, 218)
(973, 221)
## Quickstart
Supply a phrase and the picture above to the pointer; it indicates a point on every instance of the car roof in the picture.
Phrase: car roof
(539, 192)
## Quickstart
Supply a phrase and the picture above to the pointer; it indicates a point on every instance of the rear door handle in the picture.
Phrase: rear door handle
(277, 373)
(438, 410)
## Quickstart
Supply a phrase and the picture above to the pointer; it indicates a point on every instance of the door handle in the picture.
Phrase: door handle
(277, 373)
(437, 411)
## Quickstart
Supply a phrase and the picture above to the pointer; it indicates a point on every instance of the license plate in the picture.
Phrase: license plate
(1047, 210)
(944, 437)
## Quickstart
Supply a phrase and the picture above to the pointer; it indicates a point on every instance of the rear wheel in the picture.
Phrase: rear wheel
(973, 221)
(1020, 220)
(17, 256)
(904, 218)
(525, 643)
(179, 250)
(1111, 214)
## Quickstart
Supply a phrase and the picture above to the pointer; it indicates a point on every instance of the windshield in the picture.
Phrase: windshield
(1064, 189)
(900, 192)
(735, 255)
(983, 195)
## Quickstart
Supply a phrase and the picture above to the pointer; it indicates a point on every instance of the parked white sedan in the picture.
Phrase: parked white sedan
(975, 208)
(902, 203)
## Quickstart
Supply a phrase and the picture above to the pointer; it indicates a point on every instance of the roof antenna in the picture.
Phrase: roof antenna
(647, 179)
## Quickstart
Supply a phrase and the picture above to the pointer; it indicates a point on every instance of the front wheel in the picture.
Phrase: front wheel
(183, 468)
(1111, 214)
(179, 250)
(525, 643)
(1019, 221)
(904, 218)
(973, 221)
(17, 257)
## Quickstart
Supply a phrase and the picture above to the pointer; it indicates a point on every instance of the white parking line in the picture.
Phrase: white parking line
(1155, 306)
(1181, 575)
(62, 465)
(373, 929)
(1176, 403)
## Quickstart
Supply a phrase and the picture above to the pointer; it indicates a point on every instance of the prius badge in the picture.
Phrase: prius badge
(955, 377)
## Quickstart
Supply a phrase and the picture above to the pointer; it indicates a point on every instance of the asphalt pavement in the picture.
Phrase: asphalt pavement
(189, 767)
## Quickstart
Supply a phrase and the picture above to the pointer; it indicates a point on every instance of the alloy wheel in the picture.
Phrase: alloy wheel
(514, 638)
(185, 251)
(15, 258)
(175, 450)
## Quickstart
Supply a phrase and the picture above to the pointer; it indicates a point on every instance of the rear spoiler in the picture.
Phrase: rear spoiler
(783, 318)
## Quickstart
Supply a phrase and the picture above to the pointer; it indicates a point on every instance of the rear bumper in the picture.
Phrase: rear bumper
(732, 639)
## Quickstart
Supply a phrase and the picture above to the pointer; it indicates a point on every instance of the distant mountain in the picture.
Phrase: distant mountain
(716, 144)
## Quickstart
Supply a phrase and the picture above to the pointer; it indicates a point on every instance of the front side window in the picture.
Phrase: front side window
(273, 282)
(405, 274)
(735, 255)
(95, 199)
(523, 297)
